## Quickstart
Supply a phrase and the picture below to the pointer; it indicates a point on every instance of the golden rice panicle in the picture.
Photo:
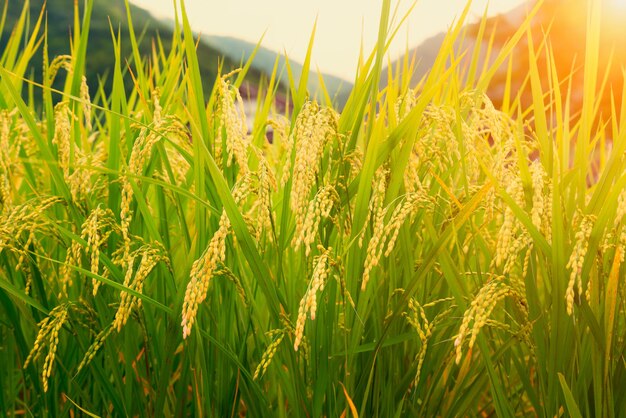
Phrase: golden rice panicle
(477, 316)
(80, 180)
(90, 229)
(71, 159)
(309, 300)
(280, 130)
(512, 238)
(537, 174)
(72, 259)
(59, 62)
(123, 313)
(21, 225)
(62, 136)
(53, 342)
(416, 317)
(313, 128)
(379, 188)
(541, 212)
(243, 189)
(139, 155)
(48, 336)
(228, 274)
(263, 203)
(621, 208)
(232, 119)
(86, 103)
(6, 194)
(202, 271)
(405, 103)
(289, 146)
(45, 326)
(319, 208)
(94, 348)
(355, 160)
(6, 158)
(490, 139)
(412, 180)
(180, 167)
(439, 147)
(377, 212)
(134, 279)
(157, 110)
(96, 233)
(22, 260)
(577, 258)
(411, 204)
(619, 220)
(278, 149)
(277, 337)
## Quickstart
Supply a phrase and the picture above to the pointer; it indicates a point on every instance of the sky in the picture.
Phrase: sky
(341, 24)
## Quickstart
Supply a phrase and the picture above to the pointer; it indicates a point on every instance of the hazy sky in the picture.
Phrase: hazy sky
(341, 24)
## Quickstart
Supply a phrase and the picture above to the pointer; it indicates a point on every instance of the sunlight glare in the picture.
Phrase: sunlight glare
(618, 4)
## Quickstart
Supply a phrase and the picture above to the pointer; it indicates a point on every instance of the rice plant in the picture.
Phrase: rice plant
(419, 252)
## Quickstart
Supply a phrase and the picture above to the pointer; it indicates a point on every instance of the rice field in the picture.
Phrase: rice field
(418, 253)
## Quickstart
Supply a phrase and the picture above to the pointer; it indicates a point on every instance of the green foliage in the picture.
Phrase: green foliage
(421, 253)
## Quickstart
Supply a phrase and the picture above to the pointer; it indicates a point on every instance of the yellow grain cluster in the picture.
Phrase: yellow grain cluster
(577, 258)
(437, 147)
(202, 271)
(478, 314)
(86, 103)
(416, 317)
(319, 208)
(66, 271)
(75, 162)
(96, 231)
(62, 136)
(486, 135)
(59, 62)
(384, 235)
(94, 348)
(314, 127)
(20, 227)
(161, 127)
(227, 273)
(278, 149)
(405, 103)
(48, 336)
(232, 120)
(277, 337)
(10, 142)
(618, 230)
(263, 203)
(308, 303)
(149, 256)
(376, 212)
(512, 237)
(410, 205)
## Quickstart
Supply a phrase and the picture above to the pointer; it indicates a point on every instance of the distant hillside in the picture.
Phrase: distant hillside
(100, 58)
(239, 51)
(565, 22)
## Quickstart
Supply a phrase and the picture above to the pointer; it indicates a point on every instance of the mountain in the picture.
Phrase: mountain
(564, 21)
(239, 50)
(100, 54)
(212, 50)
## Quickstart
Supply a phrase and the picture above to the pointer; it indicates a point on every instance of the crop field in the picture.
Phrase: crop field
(420, 252)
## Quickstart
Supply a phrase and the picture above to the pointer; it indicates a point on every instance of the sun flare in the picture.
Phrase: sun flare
(618, 4)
